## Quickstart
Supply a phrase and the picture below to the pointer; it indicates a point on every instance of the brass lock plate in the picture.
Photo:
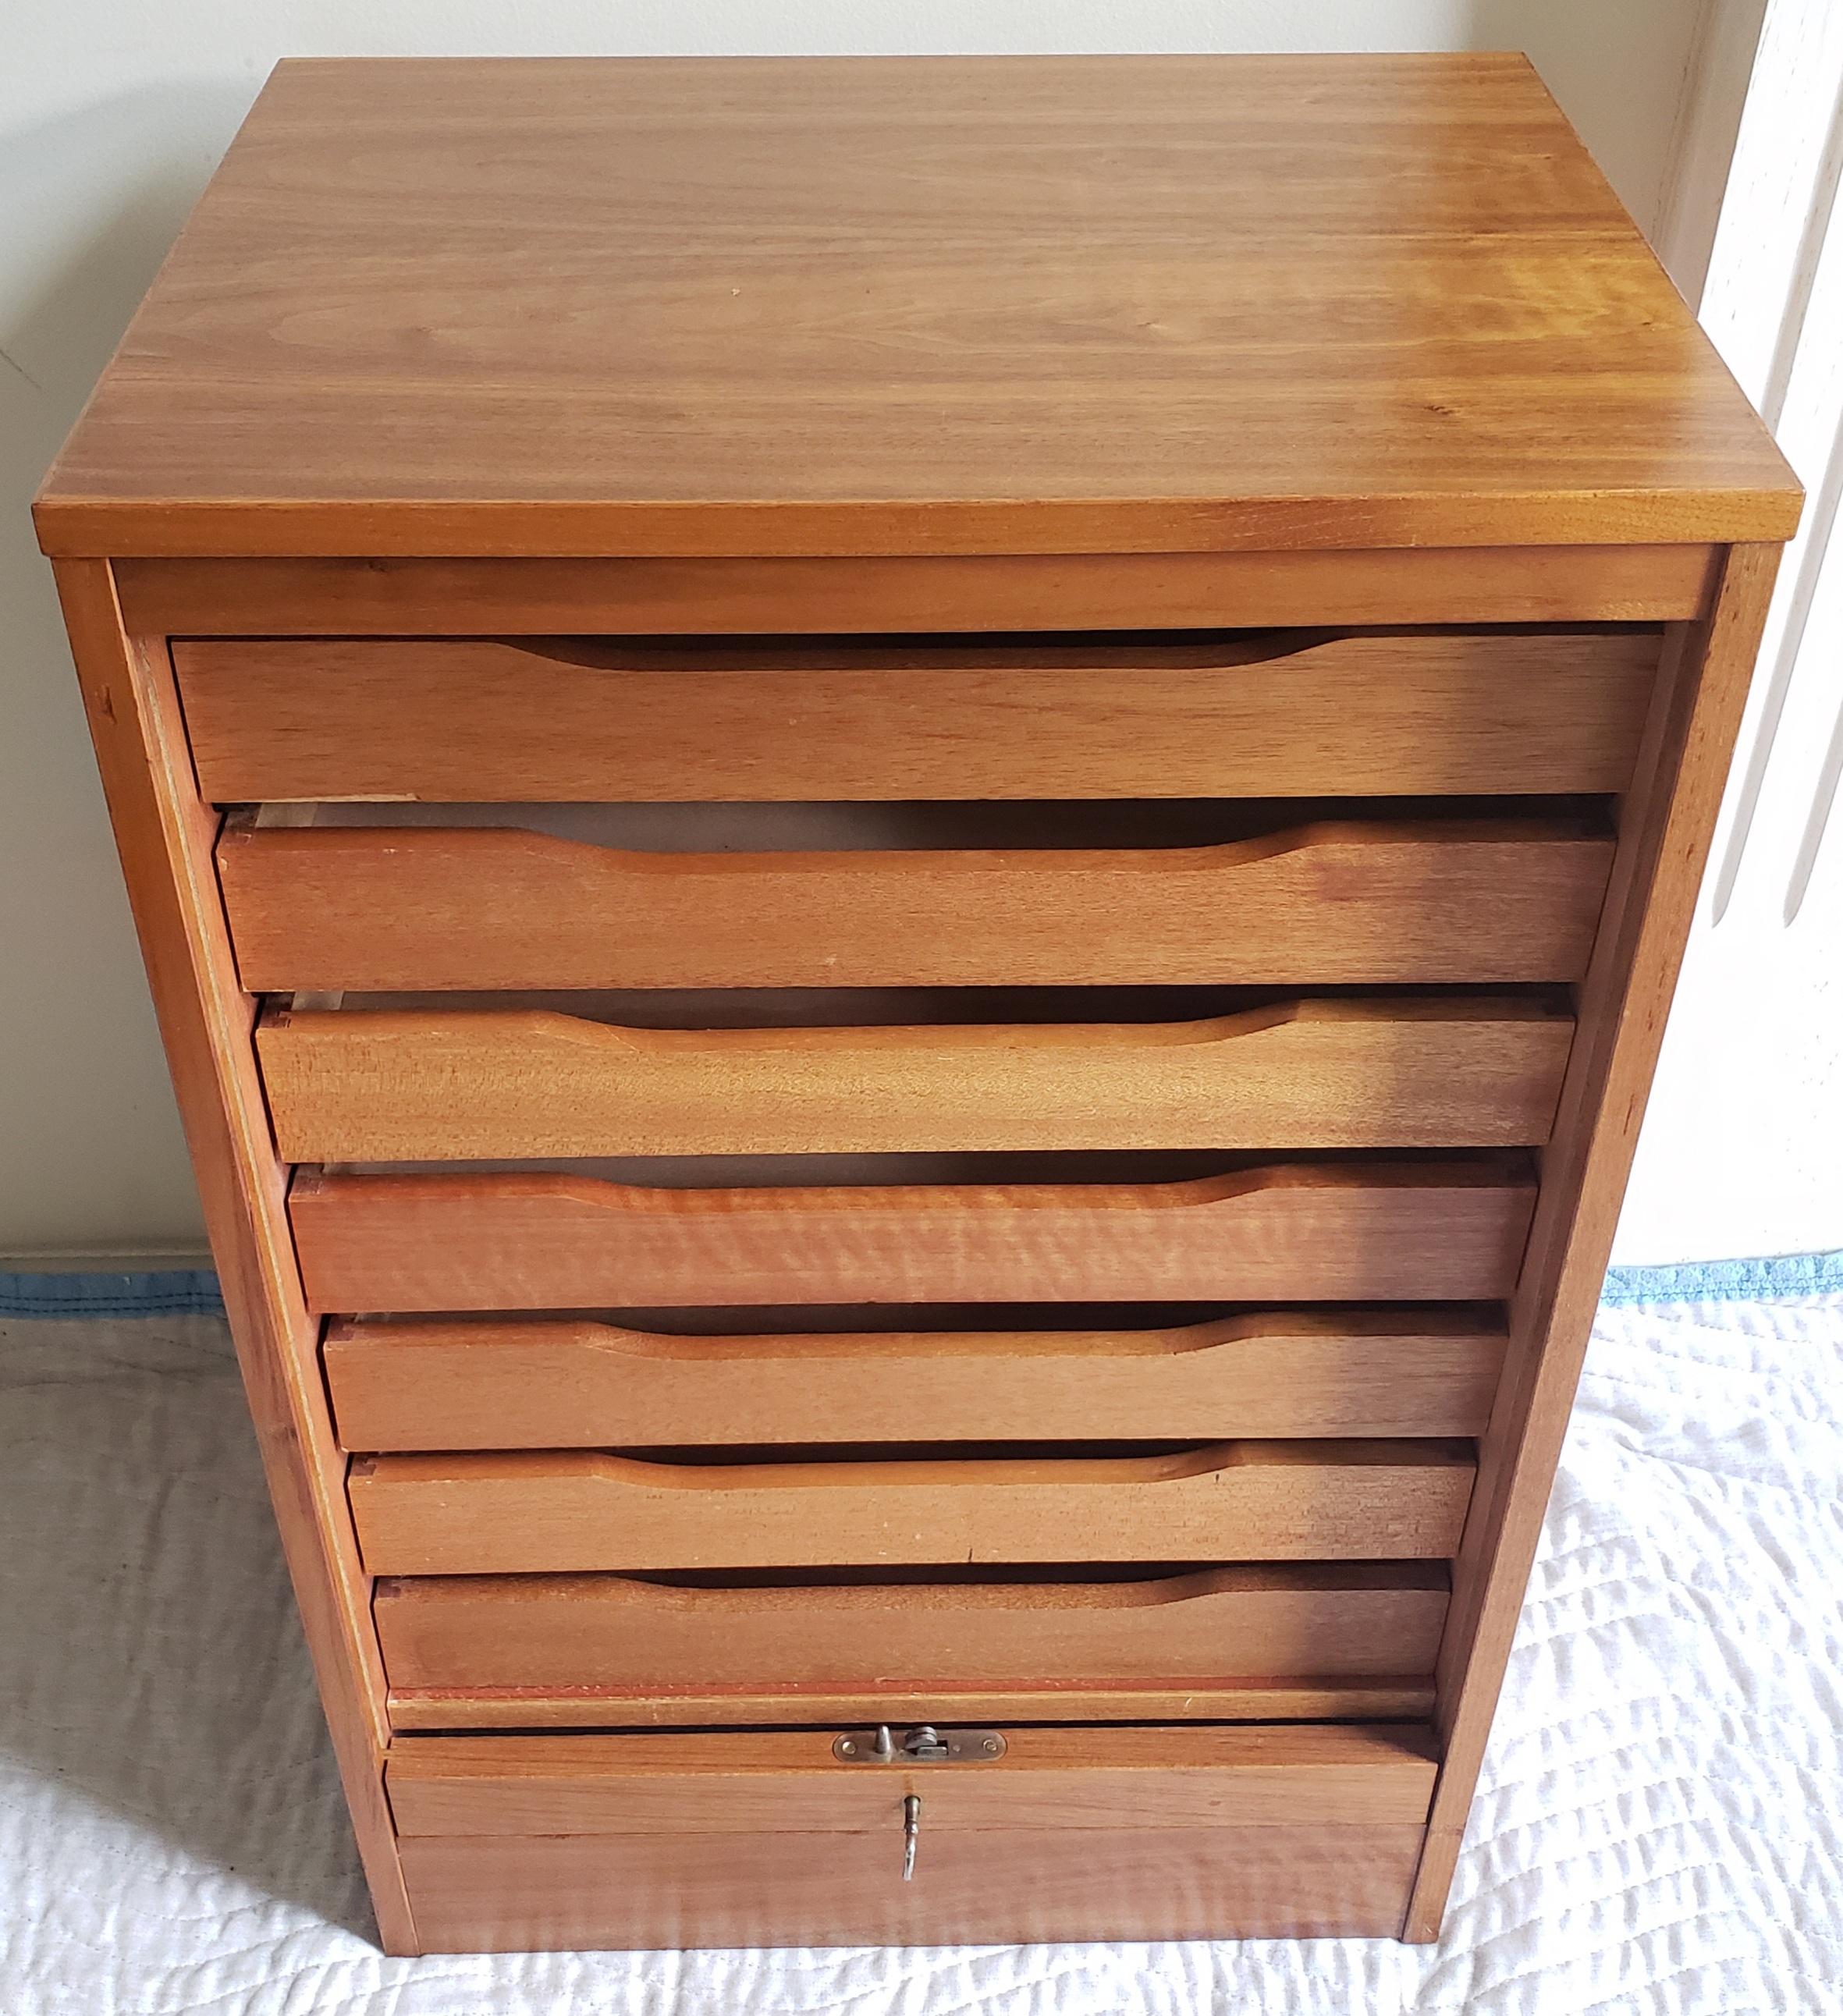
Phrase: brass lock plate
(922, 1744)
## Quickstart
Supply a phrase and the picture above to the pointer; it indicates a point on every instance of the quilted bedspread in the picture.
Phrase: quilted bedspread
(1659, 1826)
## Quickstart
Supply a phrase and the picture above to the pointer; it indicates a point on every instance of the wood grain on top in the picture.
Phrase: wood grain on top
(866, 306)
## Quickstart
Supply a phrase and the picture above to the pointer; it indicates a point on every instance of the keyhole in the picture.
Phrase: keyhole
(911, 1835)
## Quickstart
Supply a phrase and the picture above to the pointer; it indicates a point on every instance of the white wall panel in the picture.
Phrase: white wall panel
(1743, 1147)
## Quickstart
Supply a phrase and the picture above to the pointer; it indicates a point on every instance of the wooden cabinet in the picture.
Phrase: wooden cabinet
(911, 837)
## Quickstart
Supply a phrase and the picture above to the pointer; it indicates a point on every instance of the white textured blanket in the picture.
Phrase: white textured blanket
(1660, 1826)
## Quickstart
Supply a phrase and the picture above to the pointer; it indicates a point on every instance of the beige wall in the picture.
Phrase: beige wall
(110, 119)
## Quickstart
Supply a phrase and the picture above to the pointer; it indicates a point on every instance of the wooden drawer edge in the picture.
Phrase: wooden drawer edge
(438, 1711)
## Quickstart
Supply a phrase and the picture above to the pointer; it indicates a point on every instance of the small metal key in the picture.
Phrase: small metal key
(911, 1835)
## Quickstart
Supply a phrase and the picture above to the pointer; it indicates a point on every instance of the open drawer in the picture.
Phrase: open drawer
(850, 896)
(1250, 1642)
(396, 1085)
(541, 1511)
(789, 1837)
(1213, 714)
(1446, 1228)
(574, 1382)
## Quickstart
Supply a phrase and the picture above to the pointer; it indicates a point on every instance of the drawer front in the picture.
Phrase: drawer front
(765, 1838)
(1354, 901)
(1288, 715)
(793, 1782)
(619, 1635)
(573, 1893)
(1450, 1228)
(543, 1511)
(415, 1085)
(576, 1383)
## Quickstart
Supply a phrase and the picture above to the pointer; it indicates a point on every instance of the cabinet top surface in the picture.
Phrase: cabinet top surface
(1068, 305)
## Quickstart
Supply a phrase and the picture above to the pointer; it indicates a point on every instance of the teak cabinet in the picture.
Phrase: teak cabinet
(912, 835)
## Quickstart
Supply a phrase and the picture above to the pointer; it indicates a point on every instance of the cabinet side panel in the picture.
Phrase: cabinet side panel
(1667, 823)
(165, 834)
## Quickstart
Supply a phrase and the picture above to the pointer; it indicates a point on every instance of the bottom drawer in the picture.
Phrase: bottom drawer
(571, 1893)
(771, 1839)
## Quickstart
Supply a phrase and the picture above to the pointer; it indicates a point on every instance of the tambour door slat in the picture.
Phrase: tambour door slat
(1447, 1229)
(574, 1383)
(1309, 1622)
(1297, 713)
(543, 1511)
(417, 1085)
(1334, 902)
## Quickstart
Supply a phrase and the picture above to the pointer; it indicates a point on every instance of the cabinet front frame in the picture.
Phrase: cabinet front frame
(121, 615)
